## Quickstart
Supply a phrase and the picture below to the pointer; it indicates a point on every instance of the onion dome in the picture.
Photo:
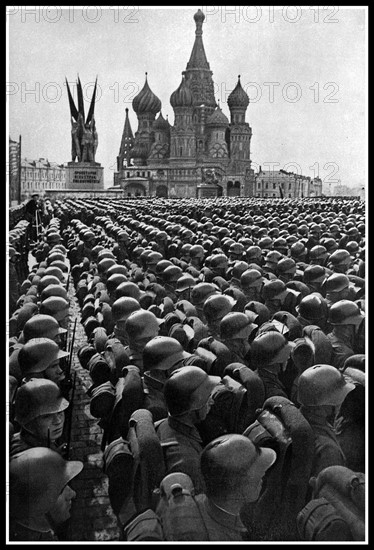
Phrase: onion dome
(160, 124)
(238, 97)
(146, 101)
(217, 118)
(182, 97)
(199, 16)
(139, 151)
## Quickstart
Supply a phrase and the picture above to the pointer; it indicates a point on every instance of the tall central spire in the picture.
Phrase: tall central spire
(198, 58)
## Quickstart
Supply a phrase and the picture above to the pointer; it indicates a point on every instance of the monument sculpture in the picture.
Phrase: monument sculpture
(83, 172)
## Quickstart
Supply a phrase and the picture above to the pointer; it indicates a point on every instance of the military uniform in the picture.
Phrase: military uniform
(220, 524)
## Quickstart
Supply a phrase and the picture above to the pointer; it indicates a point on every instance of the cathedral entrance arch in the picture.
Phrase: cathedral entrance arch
(135, 190)
(233, 189)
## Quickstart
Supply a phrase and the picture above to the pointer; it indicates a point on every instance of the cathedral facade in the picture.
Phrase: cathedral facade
(203, 154)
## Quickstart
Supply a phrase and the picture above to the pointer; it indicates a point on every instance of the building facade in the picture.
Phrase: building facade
(41, 175)
(202, 154)
(283, 184)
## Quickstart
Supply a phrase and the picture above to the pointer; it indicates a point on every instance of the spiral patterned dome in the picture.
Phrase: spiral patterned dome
(238, 97)
(146, 101)
(217, 118)
(161, 124)
(182, 97)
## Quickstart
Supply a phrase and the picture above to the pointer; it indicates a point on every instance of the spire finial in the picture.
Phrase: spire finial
(238, 76)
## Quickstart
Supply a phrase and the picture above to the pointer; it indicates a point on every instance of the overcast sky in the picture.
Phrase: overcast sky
(305, 71)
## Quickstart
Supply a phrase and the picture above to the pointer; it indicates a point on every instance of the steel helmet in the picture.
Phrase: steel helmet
(273, 257)
(55, 256)
(162, 265)
(37, 397)
(54, 290)
(238, 268)
(253, 253)
(184, 283)
(42, 326)
(36, 478)
(318, 252)
(219, 261)
(172, 273)
(217, 306)
(114, 281)
(188, 388)
(104, 264)
(162, 353)
(37, 354)
(201, 292)
(336, 282)
(314, 274)
(196, 251)
(265, 243)
(269, 348)
(260, 311)
(61, 265)
(322, 385)
(251, 278)
(123, 307)
(153, 258)
(55, 271)
(117, 269)
(286, 265)
(297, 249)
(105, 254)
(142, 324)
(46, 281)
(236, 248)
(345, 312)
(340, 257)
(236, 325)
(127, 288)
(312, 308)
(56, 306)
(273, 289)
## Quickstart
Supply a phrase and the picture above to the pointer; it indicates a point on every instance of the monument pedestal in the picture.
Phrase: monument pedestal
(208, 190)
(85, 176)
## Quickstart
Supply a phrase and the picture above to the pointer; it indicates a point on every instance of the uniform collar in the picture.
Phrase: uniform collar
(225, 518)
(190, 431)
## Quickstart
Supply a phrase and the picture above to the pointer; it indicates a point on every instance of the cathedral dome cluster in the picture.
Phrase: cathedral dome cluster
(200, 139)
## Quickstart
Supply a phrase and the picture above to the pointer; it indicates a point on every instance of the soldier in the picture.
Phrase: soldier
(252, 282)
(215, 308)
(322, 389)
(187, 395)
(40, 358)
(199, 294)
(14, 286)
(313, 310)
(231, 483)
(39, 410)
(141, 326)
(270, 352)
(235, 331)
(161, 356)
(121, 310)
(40, 497)
(56, 307)
(348, 332)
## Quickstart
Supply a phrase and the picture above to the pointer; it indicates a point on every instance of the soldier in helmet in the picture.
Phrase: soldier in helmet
(235, 331)
(219, 265)
(40, 495)
(197, 254)
(187, 394)
(121, 310)
(231, 483)
(313, 310)
(277, 296)
(321, 391)
(337, 287)
(141, 326)
(270, 352)
(348, 333)
(40, 358)
(340, 261)
(252, 282)
(199, 294)
(184, 287)
(161, 356)
(314, 277)
(170, 278)
(215, 308)
(57, 307)
(39, 410)
(236, 272)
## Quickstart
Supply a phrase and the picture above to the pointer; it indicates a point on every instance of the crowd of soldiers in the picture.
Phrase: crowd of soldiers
(226, 348)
